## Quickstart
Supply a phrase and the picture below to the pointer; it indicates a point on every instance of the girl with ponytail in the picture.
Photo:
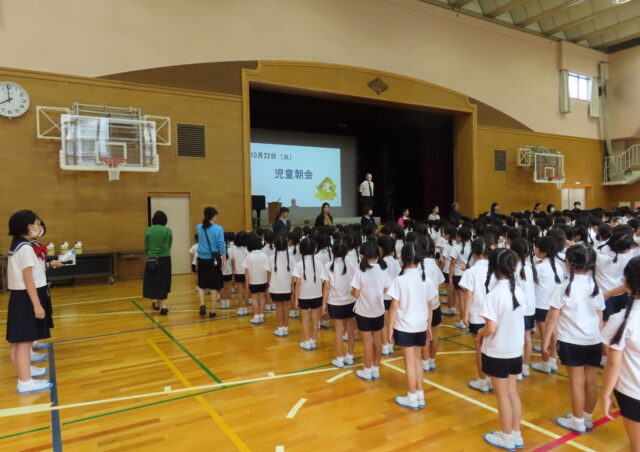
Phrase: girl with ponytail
(622, 371)
(294, 253)
(459, 258)
(388, 253)
(502, 342)
(526, 279)
(338, 302)
(577, 312)
(279, 267)
(410, 319)
(433, 274)
(549, 278)
(308, 292)
(447, 244)
(475, 293)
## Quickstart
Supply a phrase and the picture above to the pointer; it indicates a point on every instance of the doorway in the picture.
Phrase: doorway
(571, 195)
(177, 209)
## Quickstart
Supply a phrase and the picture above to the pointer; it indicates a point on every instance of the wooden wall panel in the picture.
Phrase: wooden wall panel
(112, 216)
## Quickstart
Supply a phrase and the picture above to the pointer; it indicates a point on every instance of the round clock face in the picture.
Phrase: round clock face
(14, 100)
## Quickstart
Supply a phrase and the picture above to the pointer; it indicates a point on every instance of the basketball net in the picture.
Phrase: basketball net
(559, 181)
(113, 167)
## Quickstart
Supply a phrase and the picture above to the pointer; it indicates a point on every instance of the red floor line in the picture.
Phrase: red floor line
(569, 436)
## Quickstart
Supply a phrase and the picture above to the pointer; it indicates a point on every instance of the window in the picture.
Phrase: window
(579, 86)
(499, 160)
(191, 142)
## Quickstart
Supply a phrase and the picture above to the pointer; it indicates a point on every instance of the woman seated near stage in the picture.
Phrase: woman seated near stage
(325, 217)
(367, 218)
(405, 221)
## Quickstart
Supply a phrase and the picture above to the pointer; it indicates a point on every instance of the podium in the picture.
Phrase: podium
(274, 210)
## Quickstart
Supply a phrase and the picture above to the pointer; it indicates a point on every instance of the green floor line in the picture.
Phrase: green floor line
(178, 343)
(12, 435)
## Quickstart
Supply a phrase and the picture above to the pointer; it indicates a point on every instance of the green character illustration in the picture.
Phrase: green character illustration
(326, 190)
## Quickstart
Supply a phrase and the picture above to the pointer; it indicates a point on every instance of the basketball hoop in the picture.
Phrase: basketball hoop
(559, 181)
(113, 167)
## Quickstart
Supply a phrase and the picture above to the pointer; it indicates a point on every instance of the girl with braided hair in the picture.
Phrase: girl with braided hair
(388, 253)
(410, 319)
(622, 372)
(502, 342)
(577, 312)
(550, 275)
(435, 275)
(308, 292)
(279, 268)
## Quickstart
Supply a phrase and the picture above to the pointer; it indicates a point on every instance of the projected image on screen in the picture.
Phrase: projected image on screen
(308, 174)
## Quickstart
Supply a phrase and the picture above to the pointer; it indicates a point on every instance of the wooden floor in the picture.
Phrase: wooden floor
(108, 344)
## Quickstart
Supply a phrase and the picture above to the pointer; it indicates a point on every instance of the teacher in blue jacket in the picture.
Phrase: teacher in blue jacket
(212, 252)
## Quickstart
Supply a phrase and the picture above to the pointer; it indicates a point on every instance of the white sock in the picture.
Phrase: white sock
(348, 356)
(578, 420)
(367, 370)
(420, 395)
(425, 362)
(552, 361)
(487, 380)
(375, 367)
(525, 366)
(340, 359)
(432, 361)
(412, 396)
(587, 416)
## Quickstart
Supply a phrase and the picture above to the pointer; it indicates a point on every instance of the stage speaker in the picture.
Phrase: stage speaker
(258, 202)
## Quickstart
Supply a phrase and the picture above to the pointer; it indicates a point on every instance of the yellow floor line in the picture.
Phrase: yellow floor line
(492, 409)
(292, 413)
(279, 448)
(336, 377)
(213, 413)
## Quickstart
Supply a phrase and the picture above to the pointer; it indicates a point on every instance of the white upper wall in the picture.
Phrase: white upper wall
(624, 93)
(512, 71)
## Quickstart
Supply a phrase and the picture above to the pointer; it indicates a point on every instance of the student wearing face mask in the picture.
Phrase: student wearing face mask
(29, 315)
(367, 218)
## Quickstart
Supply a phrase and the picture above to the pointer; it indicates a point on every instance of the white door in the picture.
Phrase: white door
(571, 195)
(178, 214)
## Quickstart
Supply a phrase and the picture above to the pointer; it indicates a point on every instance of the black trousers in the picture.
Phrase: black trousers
(365, 202)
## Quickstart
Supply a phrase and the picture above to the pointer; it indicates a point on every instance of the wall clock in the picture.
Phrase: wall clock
(14, 100)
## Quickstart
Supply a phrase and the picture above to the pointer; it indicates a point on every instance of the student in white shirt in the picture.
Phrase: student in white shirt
(475, 283)
(549, 277)
(622, 371)
(369, 284)
(308, 292)
(256, 278)
(227, 273)
(398, 235)
(410, 319)
(279, 268)
(577, 312)
(388, 253)
(435, 214)
(526, 278)
(502, 340)
(436, 277)
(29, 315)
(338, 302)
(294, 252)
(459, 257)
(237, 260)
(447, 244)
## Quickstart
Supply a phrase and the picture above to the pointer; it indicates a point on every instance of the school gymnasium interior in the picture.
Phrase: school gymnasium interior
(128, 107)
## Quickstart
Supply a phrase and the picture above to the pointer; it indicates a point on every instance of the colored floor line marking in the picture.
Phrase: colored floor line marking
(340, 375)
(178, 343)
(294, 410)
(569, 436)
(279, 448)
(56, 434)
(201, 400)
(492, 409)
(271, 374)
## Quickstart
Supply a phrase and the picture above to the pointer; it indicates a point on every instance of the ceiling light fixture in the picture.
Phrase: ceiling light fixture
(620, 2)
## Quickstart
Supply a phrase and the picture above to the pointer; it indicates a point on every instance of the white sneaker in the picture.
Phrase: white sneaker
(543, 367)
(365, 374)
(325, 324)
(499, 439)
(261, 318)
(554, 365)
(249, 301)
(37, 372)
(426, 366)
(305, 345)
(375, 372)
(338, 362)
(534, 330)
(421, 402)
(525, 371)
(480, 385)
(255, 320)
(387, 349)
(517, 437)
(448, 312)
(432, 364)
(348, 360)
(519, 377)
(38, 345)
(313, 344)
(279, 332)
(460, 325)
(26, 387)
(408, 401)
(38, 357)
(345, 337)
(537, 348)
(292, 314)
(571, 423)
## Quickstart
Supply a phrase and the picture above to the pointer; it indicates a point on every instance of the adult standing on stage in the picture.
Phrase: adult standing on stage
(156, 284)
(212, 255)
(325, 218)
(366, 192)
(282, 223)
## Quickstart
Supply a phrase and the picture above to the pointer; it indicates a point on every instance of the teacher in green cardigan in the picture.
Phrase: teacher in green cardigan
(156, 284)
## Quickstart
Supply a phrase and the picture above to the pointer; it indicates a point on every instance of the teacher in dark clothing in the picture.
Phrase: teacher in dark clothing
(156, 284)
(367, 218)
(325, 218)
(282, 223)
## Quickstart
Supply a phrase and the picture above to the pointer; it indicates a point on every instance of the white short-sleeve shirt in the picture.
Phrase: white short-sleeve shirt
(413, 295)
(609, 274)
(194, 253)
(399, 245)
(393, 270)
(311, 286)
(240, 253)
(339, 282)
(256, 263)
(629, 378)
(25, 257)
(474, 280)
(281, 278)
(578, 322)
(508, 340)
(433, 274)
(371, 284)
(366, 188)
(323, 256)
(461, 255)
(546, 283)
(528, 286)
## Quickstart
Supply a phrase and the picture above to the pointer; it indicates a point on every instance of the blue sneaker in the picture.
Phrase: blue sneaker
(38, 357)
(38, 345)
(31, 386)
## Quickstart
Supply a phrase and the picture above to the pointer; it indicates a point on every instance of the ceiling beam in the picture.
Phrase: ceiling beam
(459, 3)
(594, 15)
(604, 30)
(505, 8)
(548, 12)
(616, 41)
